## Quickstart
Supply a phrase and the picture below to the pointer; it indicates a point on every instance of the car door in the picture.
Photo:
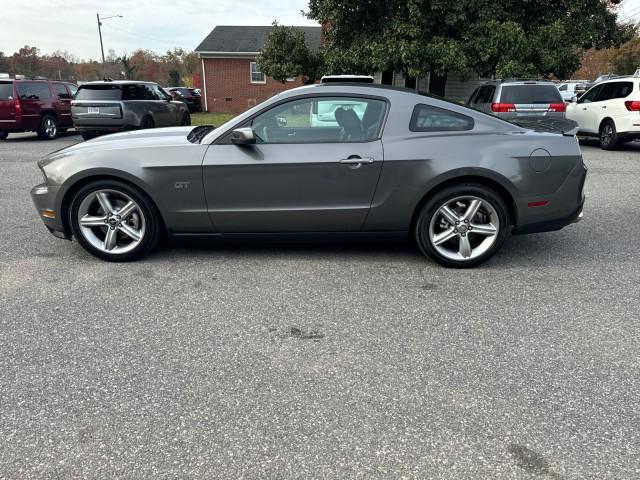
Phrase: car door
(584, 110)
(34, 97)
(299, 176)
(616, 108)
(63, 103)
(150, 102)
(168, 108)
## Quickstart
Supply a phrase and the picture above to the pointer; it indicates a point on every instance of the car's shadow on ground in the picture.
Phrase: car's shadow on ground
(519, 251)
(68, 135)
(633, 146)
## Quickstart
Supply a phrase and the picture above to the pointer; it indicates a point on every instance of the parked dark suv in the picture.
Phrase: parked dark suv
(111, 106)
(189, 96)
(40, 106)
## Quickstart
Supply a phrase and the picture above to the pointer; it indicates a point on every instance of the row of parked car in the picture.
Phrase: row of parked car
(608, 109)
(95, 108)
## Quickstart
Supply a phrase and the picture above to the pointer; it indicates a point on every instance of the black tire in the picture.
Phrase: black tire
(4, 135)
(48, 128)
(186, 119)
(147, 122)
(152, 220)
(88, 135)
(431, 208)
(608, 135)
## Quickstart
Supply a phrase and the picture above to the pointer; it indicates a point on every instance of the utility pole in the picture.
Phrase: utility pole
(100, 31)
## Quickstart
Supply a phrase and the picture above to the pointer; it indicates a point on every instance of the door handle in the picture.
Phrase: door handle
(355, 160)
(604, 106)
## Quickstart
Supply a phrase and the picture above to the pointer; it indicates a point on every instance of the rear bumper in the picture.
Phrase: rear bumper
(551, 225)
(564, 206)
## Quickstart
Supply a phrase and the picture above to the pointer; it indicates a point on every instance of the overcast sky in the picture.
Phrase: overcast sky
(157, 25)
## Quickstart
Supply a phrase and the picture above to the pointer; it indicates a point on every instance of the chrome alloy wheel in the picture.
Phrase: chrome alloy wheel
(50, 127)
(111, 221)
(464, 228)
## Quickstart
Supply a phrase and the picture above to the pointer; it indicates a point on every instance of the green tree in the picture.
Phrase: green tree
(127, 67)
(5, 63)
(286, 54)
(26, 61)
(498, 37)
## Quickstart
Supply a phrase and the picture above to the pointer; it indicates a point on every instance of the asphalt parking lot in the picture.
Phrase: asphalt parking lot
(322, 361)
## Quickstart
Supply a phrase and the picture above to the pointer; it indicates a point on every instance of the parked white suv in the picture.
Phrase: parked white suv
(610, 110)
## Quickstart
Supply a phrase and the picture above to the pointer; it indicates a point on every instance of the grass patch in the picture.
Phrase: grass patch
(210, 118)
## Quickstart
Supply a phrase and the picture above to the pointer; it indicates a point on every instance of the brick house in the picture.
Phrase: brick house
(231, 81)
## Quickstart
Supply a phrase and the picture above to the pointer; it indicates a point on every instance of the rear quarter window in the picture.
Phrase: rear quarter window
(99, 92)
(34, 90)
(531, 94)
(6, 90)
(427, 118)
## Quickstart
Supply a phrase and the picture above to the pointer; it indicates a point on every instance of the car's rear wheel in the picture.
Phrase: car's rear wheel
(4, 135)
(147, 122)
(462, 226)
(88, 135)
(114, 221)
(186, 119)
(608, 135)
(48, 129)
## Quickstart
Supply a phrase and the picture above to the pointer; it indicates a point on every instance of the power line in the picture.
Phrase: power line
(146, 37)
(631, 13)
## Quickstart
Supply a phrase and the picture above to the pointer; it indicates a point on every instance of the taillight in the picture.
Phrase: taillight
(17, 107)
(632, 106)
(558, 107)
(503, 107)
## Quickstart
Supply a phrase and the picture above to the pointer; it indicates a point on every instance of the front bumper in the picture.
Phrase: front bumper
(44, 199)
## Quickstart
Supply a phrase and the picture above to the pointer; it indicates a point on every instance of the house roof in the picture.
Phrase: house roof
(247, 39)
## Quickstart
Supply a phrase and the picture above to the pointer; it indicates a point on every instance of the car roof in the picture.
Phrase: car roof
(119, 82)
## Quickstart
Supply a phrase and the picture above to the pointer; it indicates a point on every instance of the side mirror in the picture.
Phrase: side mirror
(243, 136)
(573, 99)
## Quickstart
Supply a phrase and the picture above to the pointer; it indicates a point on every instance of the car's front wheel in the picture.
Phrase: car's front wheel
(4, 135)
(462, 226)
(114, 221)
(186, 119)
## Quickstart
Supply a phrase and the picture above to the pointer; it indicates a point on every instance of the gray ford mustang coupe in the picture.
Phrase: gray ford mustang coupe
(316, 160)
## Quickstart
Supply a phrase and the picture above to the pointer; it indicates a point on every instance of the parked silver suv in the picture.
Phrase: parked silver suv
(511, 99)
(111, 106)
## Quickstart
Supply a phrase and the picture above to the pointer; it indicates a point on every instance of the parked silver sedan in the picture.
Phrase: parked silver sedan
(393, 162)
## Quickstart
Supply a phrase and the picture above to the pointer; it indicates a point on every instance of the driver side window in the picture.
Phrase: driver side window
(591, 95)
(321, 120)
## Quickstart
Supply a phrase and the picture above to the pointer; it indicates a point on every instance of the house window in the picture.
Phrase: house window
(256, 76)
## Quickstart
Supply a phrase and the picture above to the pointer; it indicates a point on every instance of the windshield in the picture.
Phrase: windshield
(531, 94)
(99, 92)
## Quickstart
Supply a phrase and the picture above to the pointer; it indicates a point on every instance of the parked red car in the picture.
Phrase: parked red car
(41, 106)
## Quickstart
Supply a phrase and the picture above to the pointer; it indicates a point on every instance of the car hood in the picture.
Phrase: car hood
(157, 137)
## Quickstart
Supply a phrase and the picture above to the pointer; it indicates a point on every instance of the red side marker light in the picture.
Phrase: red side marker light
(540, 203)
